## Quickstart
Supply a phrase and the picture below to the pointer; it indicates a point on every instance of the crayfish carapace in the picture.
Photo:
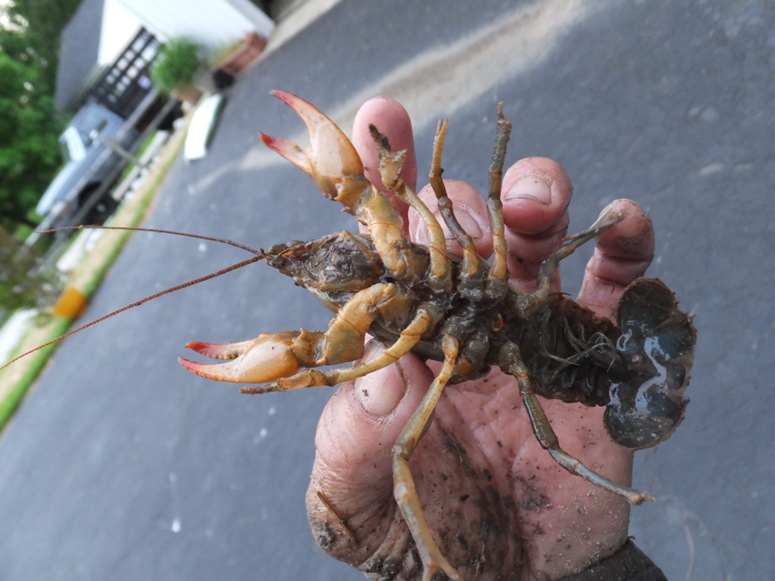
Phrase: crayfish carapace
(462, 312)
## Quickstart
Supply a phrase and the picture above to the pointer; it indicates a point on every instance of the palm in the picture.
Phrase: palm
(502, 475)
(493, 497)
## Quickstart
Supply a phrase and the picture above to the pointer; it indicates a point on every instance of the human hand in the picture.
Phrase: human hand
(498, 505)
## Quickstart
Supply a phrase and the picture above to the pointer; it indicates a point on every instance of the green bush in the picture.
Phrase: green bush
(177, 64)
(23, 282)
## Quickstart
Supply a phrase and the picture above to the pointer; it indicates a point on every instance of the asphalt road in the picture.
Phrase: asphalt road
(122, 466)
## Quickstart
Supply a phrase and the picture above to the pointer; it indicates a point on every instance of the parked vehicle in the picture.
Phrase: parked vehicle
(96, 146)
(89, 162)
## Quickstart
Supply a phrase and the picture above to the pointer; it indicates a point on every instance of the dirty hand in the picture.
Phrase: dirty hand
(498, 505)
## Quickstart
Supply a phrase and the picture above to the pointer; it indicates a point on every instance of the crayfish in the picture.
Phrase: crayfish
(461, 312)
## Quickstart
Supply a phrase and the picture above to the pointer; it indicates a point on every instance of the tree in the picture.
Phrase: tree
(23, 285)
(29, 151)
(41, 22)
(29, 127)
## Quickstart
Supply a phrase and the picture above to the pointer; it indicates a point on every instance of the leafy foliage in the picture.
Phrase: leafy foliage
(29, 127)
(23, 285)
(29, 152)
(176, 65)
(41, 22)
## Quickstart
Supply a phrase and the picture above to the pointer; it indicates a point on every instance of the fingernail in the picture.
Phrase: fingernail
(380, 392)
(530, 188)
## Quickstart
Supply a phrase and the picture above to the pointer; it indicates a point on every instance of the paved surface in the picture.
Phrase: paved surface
(122, 466)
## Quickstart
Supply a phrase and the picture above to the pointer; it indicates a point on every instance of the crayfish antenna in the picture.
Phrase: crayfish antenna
(259, 255)
(155, 231)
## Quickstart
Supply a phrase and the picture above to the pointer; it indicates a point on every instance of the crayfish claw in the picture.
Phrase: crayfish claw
(331, 159)
(266, 358)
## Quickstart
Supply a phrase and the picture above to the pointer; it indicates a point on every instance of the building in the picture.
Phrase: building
(108, 45)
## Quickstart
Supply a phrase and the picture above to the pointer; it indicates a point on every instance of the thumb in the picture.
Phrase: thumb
(351, 487)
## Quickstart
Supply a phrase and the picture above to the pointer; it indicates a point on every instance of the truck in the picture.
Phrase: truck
(96, 146)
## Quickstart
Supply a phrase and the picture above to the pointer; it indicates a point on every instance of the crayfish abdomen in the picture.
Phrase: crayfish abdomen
(656, 342)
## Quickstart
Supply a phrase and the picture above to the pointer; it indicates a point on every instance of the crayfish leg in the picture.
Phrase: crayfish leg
(406, 341)
(404, 488)
(511, 362)
(470, 265)
(498, 275)
(390, 166)
(409, 337)
(608, 218)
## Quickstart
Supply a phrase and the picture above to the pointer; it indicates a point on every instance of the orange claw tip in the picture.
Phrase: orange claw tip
(284, 96)
(197, 346)
(288, 150)
(217, 372)
(192, 366)
(268, 140)
(219, 351)
(308, 112)
(271, 142)
(301, 106)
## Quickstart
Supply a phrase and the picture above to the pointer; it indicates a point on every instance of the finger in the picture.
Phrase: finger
(469, 208)
(392, 120)
(355, 437)
(622, 254)
(535, 194)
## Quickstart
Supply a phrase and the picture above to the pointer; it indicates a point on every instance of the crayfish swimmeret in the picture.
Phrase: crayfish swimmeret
(462, 312)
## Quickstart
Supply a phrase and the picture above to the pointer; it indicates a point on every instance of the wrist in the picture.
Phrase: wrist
(629, 563)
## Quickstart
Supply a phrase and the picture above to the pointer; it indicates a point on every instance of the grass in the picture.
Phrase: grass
(17, 379)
